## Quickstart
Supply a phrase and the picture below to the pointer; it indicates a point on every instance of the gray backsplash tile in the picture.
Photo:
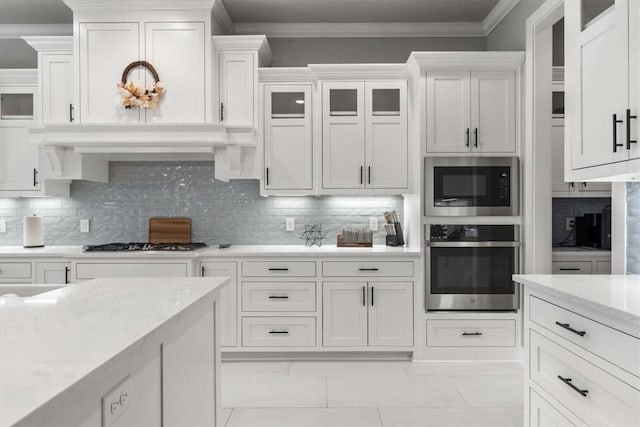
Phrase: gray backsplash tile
(572, 207)
(633, 228)
(221, 212)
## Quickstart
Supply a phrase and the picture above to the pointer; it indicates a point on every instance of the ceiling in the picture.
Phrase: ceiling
(287, 11)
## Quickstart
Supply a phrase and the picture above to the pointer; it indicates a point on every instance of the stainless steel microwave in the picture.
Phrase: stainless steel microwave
(471, 186)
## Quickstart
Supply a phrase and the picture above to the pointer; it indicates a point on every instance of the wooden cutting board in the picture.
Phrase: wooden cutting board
(169, 230)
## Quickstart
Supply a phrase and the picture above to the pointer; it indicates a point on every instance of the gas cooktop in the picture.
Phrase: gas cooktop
(122, 247)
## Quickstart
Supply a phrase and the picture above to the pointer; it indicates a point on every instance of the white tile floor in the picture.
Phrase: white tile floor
(372, 394)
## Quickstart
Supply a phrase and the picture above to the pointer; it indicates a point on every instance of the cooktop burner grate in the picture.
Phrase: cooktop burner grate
(123, 247)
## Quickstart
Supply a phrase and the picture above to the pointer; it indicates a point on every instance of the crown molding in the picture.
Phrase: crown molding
(465, 60)
(19, 77)
(221, 16)
(285, 74)
(360, 71)
(16, 31)
(557, 73)
(497, 14)
(362, 29)
(252, 43)
(128, 5)
(50, 43)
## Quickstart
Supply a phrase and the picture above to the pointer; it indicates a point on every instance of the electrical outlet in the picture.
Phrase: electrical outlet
(84, 225)
(290, 224)
(3, 225)
(116, 402)
(373, 223)
(570, 223)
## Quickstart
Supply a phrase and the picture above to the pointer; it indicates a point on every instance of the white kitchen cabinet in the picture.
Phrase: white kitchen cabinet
(581, 262)
(19, 161)
(227, 307)
(237, 85)
(634, 79)
(471, 111)
(288, 138)
(176, 50)
(57, 90)
(111, 268)
(105, 49)
(53, 273)
(374, 314)
(543, 414)
(365, 142)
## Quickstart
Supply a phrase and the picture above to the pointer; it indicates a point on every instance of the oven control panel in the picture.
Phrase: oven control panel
(473, 233)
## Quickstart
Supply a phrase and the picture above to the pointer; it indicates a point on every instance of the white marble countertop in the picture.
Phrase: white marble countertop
(617, 295)
(213, 251)
(51, 341)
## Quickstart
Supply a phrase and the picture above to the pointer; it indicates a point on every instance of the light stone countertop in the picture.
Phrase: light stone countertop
(213, 251)
(54, 340)
(616, 295)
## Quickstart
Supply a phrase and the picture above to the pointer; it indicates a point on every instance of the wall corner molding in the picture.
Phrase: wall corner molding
(222, 17)
(497, 14)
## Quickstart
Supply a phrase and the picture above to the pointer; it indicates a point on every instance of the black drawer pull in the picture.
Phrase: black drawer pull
(471, 334)
(278, 269)
(569, 328)
(278, 297)
(568, 382)
(369, 269)
(569, 269)
(67, 270)
(364, 296)
(278, 332)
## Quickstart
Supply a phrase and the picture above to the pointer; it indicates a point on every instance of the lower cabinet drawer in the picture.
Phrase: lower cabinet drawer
(571, 267)
(367, 269)
(597, 396)
(274, 296)
(98, 270)
(19, 270)
(471, 333)
(279, 331)
(544, 414)
(279, 268)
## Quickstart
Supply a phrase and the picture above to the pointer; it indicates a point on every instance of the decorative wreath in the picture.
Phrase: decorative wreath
(133, 95)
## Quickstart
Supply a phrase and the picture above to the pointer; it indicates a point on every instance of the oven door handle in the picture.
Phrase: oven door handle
(473, 244)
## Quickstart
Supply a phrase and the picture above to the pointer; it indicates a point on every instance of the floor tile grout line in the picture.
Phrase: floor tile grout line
(226, 423)
(326, 391)
(459, 391)
(380, 417)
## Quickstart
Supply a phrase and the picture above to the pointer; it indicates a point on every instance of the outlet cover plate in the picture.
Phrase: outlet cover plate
(290, 224)
(3, 225)
(570, 223)
(373, 223)
(116, 402)
(84, 225)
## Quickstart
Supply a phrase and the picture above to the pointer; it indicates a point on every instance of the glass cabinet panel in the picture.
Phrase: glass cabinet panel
(592, 9)
(287, 105)
(16, 106)
(386, 102)
(343, 102)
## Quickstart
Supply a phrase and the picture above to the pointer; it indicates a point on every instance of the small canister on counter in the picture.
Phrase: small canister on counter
(32, 232)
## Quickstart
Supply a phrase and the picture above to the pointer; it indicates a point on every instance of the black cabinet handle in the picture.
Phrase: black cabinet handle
(222, 111)
(278, 332)
(71, 118)
(278, 269)
(569, 328)
(278, 297)
(468, 138)
(615, 133)
(475, 133)
(369, 269)
(35, 177)
(369, 175)
(202, 271)
(629, 140)
(572, 184)
(66, 275)
(267, 176)
(372, 296)
(361, 175)
(568, 382)
(569, 269)
(471, 334)
(364, 296)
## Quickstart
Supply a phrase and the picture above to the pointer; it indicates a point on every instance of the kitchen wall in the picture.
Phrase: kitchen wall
(572, 207)
(16, 53)
(221, 212)
(633, 228)
(510, 33)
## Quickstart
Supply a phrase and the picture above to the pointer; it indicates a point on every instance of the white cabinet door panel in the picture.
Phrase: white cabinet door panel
(344, 314)
(176, 50)
(236, 89)
(105, 50)
(53, 273)
(228, 305)
(448, 111)
(634, 76)
(543, 414)
(493, 111)
(57, 88)
(18, 159)
(391, 314)
(558, 183)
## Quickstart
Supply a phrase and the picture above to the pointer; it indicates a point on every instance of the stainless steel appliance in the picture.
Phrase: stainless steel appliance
(471, 186)
(469, 267)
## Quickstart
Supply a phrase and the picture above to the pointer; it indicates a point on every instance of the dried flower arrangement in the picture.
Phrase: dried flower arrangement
(137, 96)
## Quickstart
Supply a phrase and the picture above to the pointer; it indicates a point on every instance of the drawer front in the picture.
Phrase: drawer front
(543, 414)
(279, 331)
(471, 333)
(571, 267)
(603, 267)
(585, 389)
(275, 296)
(99, 270)
(19, 270)
(279, 268)
(367, 268)
(612, 345)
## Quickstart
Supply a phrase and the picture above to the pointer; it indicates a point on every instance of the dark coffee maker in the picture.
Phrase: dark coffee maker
(589, 230)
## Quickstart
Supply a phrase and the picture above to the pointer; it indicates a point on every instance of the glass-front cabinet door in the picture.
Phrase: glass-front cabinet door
(288, 155)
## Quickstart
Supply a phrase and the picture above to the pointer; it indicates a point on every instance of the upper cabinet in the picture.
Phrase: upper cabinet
(602, 90)
(364, 135)
(471, 111)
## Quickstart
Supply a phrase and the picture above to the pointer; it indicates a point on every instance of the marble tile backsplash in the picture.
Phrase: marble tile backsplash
(221, 212)
(562, 208)
(633, 228)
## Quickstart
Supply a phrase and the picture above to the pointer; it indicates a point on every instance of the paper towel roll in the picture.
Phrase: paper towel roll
(32, 232)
